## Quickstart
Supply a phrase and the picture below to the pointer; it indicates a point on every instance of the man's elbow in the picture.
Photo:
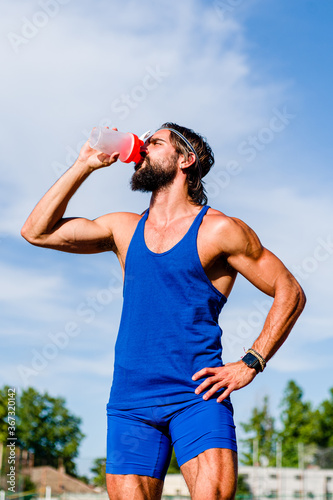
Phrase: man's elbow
(29, 235)
(300, 297)
(25, 233)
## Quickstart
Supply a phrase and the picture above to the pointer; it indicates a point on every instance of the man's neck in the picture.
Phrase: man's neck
(167, 205)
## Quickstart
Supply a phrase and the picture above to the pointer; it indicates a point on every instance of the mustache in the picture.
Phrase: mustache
(139, 164)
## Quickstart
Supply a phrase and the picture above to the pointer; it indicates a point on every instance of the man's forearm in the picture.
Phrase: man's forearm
(51, 208)
(289, 302)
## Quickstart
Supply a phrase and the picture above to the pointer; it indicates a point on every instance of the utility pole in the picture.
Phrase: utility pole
(301, 464)
(279, 467)
(255, 459)
(1, 452)
(300, 449)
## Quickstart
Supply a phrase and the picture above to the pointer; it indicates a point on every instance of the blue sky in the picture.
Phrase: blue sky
(255, 78)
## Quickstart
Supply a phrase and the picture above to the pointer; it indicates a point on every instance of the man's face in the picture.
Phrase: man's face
(159, 166)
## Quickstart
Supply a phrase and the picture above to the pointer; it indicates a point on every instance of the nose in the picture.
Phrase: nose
(144, 146)
(144, 149)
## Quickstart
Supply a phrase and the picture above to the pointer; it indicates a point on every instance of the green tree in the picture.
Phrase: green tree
(46, 427)
(324, 423)
(297, 418)
(173, 467)
(262, 431)
(323, 435)
(98, 469)
(243, 489)
(28, 486)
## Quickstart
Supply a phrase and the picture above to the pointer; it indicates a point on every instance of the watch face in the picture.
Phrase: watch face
(251, 361)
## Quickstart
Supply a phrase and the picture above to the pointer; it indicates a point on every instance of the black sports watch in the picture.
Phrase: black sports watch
(251, 361)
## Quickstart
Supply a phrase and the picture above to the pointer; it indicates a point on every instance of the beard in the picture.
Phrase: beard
(150, 177)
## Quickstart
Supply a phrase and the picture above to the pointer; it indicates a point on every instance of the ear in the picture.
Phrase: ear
(187, 163)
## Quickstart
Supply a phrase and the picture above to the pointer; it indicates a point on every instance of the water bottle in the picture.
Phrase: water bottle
(108, 141)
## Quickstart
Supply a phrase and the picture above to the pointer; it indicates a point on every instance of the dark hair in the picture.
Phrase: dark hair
(196, 171)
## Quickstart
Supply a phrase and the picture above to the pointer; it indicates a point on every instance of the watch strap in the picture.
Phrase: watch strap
(259, 357)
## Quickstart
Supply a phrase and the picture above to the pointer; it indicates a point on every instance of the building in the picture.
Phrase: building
(270, 482)
(266, 483)
(174, 485)
(289, 483)
(57, 480)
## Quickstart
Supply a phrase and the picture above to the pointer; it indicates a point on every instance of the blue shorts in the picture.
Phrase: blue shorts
(140, 440)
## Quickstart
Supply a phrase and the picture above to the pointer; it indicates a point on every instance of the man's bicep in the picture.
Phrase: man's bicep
(264, 270)
(256, 263)
(80, 235)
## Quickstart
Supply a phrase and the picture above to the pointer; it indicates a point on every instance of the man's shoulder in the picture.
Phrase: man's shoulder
(119, 223)
(222, 222)
(126, 218)
(230, 232)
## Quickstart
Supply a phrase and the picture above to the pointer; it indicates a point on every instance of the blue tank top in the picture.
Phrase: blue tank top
(169, 325)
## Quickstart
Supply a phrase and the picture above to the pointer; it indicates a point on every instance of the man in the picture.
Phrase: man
(179, 260)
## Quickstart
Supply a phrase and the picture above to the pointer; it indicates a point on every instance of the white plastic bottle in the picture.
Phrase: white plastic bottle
(108, 141)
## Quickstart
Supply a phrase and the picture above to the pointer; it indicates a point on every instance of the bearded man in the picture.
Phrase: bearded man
(180, 259)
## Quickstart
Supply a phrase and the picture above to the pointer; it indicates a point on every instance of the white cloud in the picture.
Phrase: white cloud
(287, 361)
(24, 285)
(75, 69)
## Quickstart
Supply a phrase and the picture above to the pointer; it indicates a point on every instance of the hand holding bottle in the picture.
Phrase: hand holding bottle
(110, 141)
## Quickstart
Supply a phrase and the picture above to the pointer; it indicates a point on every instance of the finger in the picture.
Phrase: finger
(207, 383)
(225, 394)
(213, 390)
(108, 159)
(204, 372)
